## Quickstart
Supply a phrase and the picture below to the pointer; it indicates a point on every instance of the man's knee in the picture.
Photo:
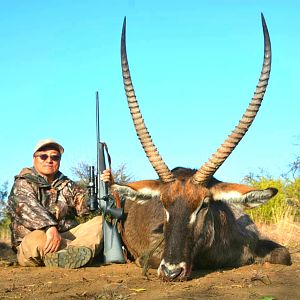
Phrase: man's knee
(96, 221)
(93, 226)
(30, 251)
(35, 238)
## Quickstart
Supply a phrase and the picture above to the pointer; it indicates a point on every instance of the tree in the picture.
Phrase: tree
(294, 166)
(81, 171)
(4, 220)
(3, 195)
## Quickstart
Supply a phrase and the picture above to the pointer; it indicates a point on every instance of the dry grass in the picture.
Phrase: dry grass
(5, 235)
(283, 227)
(284, 232)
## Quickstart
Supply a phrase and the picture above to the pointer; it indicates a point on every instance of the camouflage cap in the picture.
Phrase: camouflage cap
(42, 143)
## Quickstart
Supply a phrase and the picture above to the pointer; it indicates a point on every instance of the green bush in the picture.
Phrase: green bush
(284, 206)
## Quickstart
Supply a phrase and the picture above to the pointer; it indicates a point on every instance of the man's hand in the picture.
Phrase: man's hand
(107, 177)
(53, 240)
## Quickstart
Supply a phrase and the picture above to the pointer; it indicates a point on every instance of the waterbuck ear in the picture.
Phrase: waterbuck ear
(139, 191)
(240, 194)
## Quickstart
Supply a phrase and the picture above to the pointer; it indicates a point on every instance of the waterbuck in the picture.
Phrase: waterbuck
(187, 217)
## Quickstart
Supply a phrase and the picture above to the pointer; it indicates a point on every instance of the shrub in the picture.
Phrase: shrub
(284, 206)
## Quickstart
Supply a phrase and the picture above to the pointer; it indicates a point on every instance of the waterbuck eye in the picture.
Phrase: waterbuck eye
(206, 200)
(196, 211)
(194, 215)
(167, 215)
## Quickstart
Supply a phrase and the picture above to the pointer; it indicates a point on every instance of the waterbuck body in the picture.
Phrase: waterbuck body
(187, 217)
(217, 233)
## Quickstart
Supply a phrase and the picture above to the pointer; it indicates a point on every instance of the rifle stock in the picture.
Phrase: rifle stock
(113, 252)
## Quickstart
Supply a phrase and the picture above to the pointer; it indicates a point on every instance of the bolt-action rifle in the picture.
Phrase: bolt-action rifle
(101, 200)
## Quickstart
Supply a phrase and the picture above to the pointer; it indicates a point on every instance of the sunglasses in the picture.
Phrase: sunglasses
(53, 157)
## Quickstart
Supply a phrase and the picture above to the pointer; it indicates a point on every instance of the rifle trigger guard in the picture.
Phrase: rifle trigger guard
(110, 209)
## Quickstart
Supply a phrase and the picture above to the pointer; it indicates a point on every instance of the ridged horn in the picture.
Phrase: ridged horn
(141, 130)
(203, 175)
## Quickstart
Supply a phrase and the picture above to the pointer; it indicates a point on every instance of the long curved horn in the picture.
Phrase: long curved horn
(152, 153)
(217, 159)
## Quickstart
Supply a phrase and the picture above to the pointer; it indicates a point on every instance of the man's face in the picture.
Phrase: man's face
(47, 162)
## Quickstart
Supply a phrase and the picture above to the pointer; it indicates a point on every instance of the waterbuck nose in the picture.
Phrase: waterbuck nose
(171, 274)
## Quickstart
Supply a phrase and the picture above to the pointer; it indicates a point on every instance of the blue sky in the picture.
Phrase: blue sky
(194, 65)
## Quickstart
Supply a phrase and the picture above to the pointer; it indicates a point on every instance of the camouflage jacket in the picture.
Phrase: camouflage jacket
(33, 204)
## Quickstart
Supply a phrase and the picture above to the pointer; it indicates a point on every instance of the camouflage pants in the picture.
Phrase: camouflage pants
(88, 234)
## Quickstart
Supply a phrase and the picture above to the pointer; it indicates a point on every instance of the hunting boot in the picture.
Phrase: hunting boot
(69, 258)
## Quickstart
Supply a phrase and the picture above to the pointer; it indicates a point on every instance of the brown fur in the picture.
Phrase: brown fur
(183, 189)
(199, 230)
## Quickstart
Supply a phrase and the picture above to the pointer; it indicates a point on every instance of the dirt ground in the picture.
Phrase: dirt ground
(266, 282)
